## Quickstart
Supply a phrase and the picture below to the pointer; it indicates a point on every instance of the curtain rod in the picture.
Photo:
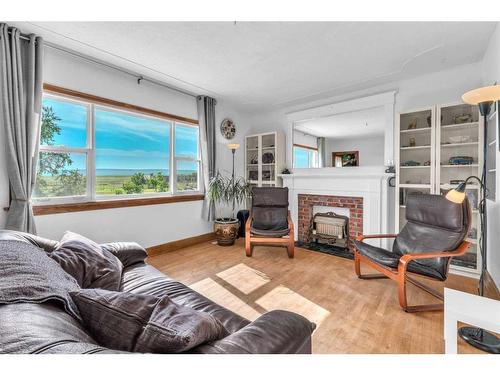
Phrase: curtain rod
(139, 77)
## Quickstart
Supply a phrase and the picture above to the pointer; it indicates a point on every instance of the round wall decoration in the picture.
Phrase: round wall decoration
(227, 128)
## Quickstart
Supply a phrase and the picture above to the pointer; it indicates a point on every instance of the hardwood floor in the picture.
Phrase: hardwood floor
(353, 315)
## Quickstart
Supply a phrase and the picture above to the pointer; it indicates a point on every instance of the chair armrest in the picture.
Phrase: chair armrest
(363, 237)
(290, 223)
(407, 258)
(128, 253)
(248, 224)
(276, 332)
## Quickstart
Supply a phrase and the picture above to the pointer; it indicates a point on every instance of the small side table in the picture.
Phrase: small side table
(470, 309)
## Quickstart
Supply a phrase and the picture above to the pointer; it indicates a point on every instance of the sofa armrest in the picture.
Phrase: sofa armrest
(128, 253)
(276, 332)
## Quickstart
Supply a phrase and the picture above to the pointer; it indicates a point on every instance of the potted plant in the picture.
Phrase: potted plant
(226, 192)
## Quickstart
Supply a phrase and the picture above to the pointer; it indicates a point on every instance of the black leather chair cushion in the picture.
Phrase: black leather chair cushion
(378, 255)
(270, 211)
(269, 197)
(391, 260)
(144, 323)
(270, 218)
(436, 211)
(269, 233)
(434, 224)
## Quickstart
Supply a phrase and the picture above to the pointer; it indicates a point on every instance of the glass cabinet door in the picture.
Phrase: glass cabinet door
(459, 155)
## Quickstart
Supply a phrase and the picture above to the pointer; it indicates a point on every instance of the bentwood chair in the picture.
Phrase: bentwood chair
(269, 221)
(434, 233)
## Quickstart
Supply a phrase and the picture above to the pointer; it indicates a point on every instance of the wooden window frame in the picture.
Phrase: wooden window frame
(90, 201)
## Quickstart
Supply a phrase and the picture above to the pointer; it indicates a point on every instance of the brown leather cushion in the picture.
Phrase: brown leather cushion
(91, 265)
(270, 210)
(269, 197)
(144, 323)
(436, 211)
(434, 224)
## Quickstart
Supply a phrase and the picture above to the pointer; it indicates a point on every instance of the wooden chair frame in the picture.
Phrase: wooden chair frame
(287, 241)
(400, 276)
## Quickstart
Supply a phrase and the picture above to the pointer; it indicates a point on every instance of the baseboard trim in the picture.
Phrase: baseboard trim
(179, 244)
(490, 288)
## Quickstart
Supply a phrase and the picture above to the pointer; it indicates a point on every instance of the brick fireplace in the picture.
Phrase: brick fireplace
(306, 203)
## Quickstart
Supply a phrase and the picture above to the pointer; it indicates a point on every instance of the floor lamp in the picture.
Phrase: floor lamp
(483, 97)
(233, 147)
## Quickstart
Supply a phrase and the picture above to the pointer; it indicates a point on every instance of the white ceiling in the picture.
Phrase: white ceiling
(261, 65)
(365, 123)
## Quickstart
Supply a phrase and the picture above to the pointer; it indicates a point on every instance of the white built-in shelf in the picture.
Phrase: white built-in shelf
(418, 130)
(415, 147)
(414, 166)
(263, 148)
(257, 146)
(459, 144)
(459, 126)
(443, 144)
(459, 165)
(415, 186)
(492, 170)
(450, 186)
(492, 142)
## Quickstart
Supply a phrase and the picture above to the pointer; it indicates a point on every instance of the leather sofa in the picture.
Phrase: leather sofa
(48, 328)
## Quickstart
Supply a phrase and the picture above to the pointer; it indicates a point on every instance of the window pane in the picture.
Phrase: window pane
(63, 123)
(187, 175)
(300, 158)
(132, 153)
(186, 141)
(61, 175)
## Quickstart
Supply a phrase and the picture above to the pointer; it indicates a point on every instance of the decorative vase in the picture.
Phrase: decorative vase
(226, 231)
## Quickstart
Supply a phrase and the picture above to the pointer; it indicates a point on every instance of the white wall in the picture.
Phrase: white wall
(148, 225)
(371, 149)
(490, 75)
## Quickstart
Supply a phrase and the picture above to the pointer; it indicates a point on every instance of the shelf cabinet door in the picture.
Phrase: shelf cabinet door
(459, 154)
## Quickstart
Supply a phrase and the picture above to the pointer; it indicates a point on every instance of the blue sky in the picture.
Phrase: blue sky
(123, 140)
(300, 158)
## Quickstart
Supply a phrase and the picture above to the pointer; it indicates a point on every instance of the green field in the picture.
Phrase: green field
(54, 186)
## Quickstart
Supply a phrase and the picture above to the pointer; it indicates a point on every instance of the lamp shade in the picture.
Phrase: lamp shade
(455, 196)
(482, 95)
(233, 146)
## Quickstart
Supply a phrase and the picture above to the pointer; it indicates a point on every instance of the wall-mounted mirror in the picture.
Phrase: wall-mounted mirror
(348, 139)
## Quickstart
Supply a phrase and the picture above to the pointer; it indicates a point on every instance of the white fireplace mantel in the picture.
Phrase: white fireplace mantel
(369, 183)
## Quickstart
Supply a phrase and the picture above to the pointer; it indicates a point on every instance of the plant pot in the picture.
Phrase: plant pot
(226, 231)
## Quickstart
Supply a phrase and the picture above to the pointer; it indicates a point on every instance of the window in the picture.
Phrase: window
(91, 152)
(305, 157)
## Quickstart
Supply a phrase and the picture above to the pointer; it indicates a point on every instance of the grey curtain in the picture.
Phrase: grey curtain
(20, 106)
(321, 142)
(206, 120)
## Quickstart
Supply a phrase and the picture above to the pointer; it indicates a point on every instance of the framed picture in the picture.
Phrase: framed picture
(345, 159)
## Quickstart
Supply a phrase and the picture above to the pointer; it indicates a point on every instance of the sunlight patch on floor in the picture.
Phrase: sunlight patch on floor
(244, 278)
(220, 295)
(282, 298)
